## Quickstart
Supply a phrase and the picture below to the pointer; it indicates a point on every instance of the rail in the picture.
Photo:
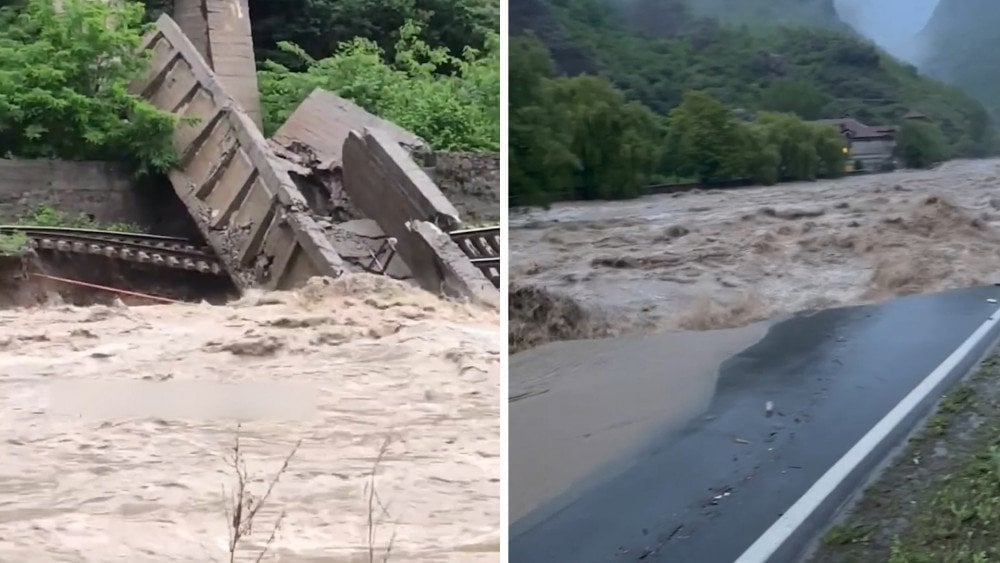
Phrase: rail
(482, 246)
(167, 252)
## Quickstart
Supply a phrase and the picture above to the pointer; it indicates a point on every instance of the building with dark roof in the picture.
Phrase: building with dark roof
(871, 146)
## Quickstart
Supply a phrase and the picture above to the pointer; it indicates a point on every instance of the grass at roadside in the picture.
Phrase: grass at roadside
(939, 501)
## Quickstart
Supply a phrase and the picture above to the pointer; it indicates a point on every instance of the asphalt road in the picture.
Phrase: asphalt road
(705, 492)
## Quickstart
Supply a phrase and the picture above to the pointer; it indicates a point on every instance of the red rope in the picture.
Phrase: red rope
(110, 289)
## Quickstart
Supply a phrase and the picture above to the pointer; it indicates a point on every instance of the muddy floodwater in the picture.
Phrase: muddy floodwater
(385, 361)
(725, 258)
(579, 408)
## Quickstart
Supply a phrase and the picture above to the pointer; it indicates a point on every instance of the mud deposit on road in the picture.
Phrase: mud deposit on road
(725, 258)
(578, 409)
(386, 360)
(936, 501)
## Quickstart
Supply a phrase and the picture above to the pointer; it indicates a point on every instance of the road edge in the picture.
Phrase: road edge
(788, 537)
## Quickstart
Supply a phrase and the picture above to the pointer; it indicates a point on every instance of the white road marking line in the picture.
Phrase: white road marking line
(789, 522)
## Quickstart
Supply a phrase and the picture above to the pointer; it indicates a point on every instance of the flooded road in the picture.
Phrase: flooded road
(726, 258)
(706, 489)
(581, 407)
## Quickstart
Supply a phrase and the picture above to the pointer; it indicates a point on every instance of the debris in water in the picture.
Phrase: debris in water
(738, 440)
(769, 409)
(991, 301)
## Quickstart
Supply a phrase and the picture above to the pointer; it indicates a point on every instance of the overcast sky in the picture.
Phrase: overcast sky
(890, 23)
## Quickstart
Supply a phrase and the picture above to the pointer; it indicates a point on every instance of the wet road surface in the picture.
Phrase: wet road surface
(705, 491)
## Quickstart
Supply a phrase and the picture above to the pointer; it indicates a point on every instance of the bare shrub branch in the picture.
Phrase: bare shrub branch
(243, 507)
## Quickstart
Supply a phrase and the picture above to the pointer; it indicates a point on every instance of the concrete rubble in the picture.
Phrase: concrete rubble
(336, 189)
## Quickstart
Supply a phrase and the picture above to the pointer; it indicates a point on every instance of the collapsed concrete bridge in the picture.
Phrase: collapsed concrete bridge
(337, 190)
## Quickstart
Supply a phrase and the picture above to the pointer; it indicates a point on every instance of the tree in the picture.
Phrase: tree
(792, 96)
(64, 85)
(704, 140)
(920, 145)
(830, 148)
(761, 161)
(320, 26)
(615, 142)
(796, 143)
(451, 111)
(542, 166)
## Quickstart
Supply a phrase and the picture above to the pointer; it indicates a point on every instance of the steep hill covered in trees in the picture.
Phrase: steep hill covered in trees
(812, 13)
(958, 46)
(814, 72)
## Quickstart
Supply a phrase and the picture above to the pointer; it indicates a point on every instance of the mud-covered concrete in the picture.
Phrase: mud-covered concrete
(387, 185)
(318, 128)
(238, 191)
(220, 31)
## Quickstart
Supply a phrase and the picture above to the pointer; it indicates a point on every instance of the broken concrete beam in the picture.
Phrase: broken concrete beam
(220, 31)
(321, 124)
(408, 193)
(386, 185)
(242, 198)
(438, 264)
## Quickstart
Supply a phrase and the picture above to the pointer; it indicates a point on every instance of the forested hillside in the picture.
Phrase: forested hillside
(656, 51)
(432, 66)
(813, 13)
(958, 45)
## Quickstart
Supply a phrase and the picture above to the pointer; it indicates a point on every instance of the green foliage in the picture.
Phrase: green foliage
(320, 26)
(63, 85)
(956, 43)
(456, 111)
(807, 150)
(704, 139)
(614, 141)
(763, 68)
(13, 244)
(792, 96)
(761, 160)
(45, 216)
(813, 13)
(574, 136)
(921, 145)
(542, 165)
(707, 142)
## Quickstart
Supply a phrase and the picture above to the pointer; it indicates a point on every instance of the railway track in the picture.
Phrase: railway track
(482, 246)
(167, 252)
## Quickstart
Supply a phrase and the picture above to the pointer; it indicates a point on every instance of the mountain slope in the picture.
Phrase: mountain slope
(812, 13)
(657, 63)
(959, 45)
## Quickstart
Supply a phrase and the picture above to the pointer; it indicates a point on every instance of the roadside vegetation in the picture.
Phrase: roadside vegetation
(938, 500)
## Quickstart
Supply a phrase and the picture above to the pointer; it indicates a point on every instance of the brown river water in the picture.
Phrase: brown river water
(383, 359)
